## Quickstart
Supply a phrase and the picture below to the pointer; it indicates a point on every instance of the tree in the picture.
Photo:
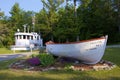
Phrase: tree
(97, 17)
(4, 32)
(16, 17)
(1, 14)
(42, 26)
(74, 18)
(26, 19)
(116, 6)
(51, 7)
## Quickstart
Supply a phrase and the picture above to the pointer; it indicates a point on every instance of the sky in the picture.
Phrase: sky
(31, 5)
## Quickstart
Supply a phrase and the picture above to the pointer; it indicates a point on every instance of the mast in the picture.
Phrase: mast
(25, 25)
(33, 22)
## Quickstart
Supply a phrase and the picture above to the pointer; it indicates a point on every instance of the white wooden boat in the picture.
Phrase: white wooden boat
(87, 51)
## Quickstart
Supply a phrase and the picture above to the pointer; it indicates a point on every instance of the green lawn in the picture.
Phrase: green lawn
(111, 54)
(5, 50)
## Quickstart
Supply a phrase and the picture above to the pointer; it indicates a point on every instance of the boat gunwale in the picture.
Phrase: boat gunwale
(50, 42)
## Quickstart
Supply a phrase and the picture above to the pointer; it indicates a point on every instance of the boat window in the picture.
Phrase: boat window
(31, 37)
(24, 37)
(20, 36)
(16, 36)
(37, 37)
(28, 37)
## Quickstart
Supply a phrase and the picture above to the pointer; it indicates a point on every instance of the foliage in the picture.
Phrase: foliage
(33, 55)
(50, 13)
(4, 32)
(34, 61)
(65, 31)
(46, 59)
(15, 16)
(96, 24)
(1, 14)
(68, 67)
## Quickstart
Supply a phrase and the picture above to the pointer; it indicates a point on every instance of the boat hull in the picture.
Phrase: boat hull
(19, 47)
(89, 51)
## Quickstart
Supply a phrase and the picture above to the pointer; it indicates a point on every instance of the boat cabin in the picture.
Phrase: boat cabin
(25, 41)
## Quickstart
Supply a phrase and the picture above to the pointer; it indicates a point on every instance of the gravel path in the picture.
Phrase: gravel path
(12, 56)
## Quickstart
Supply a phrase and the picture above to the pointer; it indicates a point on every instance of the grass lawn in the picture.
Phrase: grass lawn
(111, 54)
(5, 50)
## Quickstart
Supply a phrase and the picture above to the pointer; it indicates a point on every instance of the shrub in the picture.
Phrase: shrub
(33, 55)
(46, 59)
(34, 61)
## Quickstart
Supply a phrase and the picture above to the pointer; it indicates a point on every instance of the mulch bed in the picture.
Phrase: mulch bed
(62, 64)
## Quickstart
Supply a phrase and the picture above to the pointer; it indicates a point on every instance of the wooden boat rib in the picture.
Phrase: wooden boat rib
(87, 51)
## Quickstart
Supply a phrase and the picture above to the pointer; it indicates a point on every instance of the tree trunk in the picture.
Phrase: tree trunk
(75, 11)
(78, 38)
(119, 15)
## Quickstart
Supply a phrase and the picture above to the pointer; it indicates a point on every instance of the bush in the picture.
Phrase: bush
(34, 61)
(33, 55)
(46, 59)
